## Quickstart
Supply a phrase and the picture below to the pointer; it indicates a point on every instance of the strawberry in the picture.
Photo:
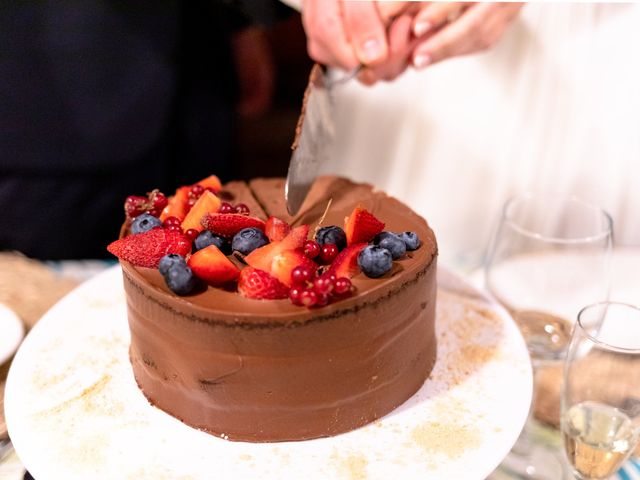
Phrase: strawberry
(211, 182)
(361, 226)
(207, 203)
(262, 257)
(258, 284)
(146, 249)
(284, 263)
(276, 229)
(178, 205)
(212, 266)
(228, 224)
(346, 263)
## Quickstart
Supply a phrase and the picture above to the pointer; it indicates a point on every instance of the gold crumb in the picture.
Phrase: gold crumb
(352, 466)
(245, 457)
(449, 439)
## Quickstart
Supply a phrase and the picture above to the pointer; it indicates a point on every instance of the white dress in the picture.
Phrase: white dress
(554, 106)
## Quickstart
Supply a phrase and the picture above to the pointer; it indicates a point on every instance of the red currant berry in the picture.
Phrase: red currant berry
(328, 252)
(196, 190)
(135, 205)
(242, 209)
(342, 285)
(311, 249)
(226, 207)
(294, 295)
(158, 200)
(174, 228)
(171, 221)
(192, 234)
(301, 275)
(192, 201)
(308, 298)
(323, 284)
(323, 299)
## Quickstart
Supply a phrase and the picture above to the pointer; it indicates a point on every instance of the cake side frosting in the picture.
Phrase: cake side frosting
(271, 371)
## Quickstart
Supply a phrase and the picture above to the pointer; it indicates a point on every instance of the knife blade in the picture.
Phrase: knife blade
(314, 133)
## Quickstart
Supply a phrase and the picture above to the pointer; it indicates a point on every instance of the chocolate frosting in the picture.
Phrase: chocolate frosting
(267, 370)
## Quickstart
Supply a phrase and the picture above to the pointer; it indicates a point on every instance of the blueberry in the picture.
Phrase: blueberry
(207, 238)
(392, 242)
(144, 223)
(180, 279)
(248, 239)
(411, 240)
(168, 261)
(375, 261)
(333, 235)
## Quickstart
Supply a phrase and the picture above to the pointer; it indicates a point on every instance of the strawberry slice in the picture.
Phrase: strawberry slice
(346, 263)
(258, 284)
(228, 224)
(284, 263)
(263, 257)
(361, 226)
(212, 266)
(178, 205)
(146, 249)
(207, 203)
(276, 229)
(211, 182)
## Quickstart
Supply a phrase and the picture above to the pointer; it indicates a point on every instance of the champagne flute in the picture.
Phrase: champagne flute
(600, 403)
(549, 257)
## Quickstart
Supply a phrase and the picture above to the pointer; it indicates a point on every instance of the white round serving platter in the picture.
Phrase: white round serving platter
(11, 333)
(74, 410)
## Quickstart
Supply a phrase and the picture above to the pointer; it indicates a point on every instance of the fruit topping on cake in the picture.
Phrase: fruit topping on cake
(228, 224)
(258, 284)
(147, 248)
(207, 203)
(361, 226)
(276, 229)
(248, 239)
(213, 266)
(196, 238)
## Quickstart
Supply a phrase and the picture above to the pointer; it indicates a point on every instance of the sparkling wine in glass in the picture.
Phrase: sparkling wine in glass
(549, 257)
(601, 393)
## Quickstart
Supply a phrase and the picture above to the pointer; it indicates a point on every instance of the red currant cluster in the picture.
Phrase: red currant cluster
(153, 204)
(240, 208)
(312, 290)
(324, 254)
(174, 224)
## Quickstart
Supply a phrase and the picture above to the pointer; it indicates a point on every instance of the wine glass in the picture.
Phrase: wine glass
(549, 257)
(601, 394)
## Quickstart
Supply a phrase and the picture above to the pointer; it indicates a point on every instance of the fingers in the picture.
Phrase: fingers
(388, 10)
(478, 28)
(433, 15)
(365, 31)
(327, 41)
(400, 48)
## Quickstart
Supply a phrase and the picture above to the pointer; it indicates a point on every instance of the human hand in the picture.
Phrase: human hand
(452, 29)
(348, 34)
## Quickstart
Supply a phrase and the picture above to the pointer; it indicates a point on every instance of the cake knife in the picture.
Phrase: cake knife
(314, 132)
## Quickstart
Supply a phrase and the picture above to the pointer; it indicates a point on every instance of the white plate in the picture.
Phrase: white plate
(11, 333)
(74, 410)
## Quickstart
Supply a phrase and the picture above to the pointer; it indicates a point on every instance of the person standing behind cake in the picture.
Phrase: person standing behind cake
(547, 102)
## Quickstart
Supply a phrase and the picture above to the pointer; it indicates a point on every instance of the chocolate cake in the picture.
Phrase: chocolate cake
(268, 370)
